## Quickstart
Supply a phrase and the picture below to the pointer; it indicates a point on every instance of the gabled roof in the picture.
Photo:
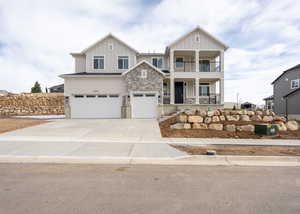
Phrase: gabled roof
(147, 63)
(269, 97)
(107, 36)
(202, 30)
(292, 92)
(57, 86)
(290, 69)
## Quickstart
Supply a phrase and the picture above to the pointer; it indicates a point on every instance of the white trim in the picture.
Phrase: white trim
(158, 57)
(200, 29)
(102, 39)
(141, 62)
(295, 80)
(142, 92)
(65, 76)
(122, 69)
(104, 64)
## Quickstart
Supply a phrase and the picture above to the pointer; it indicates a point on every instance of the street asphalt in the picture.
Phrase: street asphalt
(50, 188)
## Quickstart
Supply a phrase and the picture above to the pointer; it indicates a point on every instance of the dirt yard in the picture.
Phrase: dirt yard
(10, 124)
(166, 131)
(242, 150)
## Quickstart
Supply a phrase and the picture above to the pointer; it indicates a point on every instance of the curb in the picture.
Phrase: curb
(201, 160)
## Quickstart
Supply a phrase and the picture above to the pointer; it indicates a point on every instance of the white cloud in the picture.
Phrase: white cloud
(36, 36)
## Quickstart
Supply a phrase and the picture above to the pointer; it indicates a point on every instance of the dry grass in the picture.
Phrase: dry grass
(10, 124)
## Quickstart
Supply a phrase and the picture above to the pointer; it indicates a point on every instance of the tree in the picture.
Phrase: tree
(36, 88)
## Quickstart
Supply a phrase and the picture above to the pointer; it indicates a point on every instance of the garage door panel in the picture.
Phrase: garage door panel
(144, 105)
(100, 106)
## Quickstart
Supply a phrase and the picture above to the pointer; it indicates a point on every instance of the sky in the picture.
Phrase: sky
(36, 37)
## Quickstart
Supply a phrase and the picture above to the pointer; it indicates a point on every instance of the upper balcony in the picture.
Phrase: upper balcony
(196, 63)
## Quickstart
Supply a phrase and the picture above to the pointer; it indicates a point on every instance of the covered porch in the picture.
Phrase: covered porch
(193, 91)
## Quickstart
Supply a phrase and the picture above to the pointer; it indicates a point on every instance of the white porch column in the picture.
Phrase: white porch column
(222, 61)
(172, 89)
(197, 60)
(221, 88)
(197, 90)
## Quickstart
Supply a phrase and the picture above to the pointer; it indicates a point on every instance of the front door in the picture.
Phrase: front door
(178, 92)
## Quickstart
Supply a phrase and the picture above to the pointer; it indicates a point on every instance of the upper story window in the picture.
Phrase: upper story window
(157, 62)
(98, 62)
(179, 62)
(204, 89)
(295, 84)
(144, 74)
(204, 65)
(123, 62)
(197, 37)
(111, 46)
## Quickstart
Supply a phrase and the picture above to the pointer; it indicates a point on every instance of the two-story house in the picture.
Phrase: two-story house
(113, 80)
(286, 93)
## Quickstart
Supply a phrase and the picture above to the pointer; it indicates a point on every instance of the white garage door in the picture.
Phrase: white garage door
(96, 106)
(144, 105)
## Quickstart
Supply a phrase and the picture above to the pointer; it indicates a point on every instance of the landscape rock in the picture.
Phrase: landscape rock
(279, 118)
(230, 128)
(222, 118)
(210, 113)
(200, 126)
(245, 118)
(217, 113)
(259, 113)
(233, 117)
(177, 126)
(245, 128)
(251, 113)
(207, 120)
(216, 126)
(256, 118)
(281, 126)
(267, 118)
(187, 126)
(195, 119)
(190, 111)
(215, 119)
(292, 125)
(202, 113)
(182, 118)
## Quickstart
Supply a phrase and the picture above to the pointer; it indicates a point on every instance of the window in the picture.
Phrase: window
(179, 62)
(144, 74)
(90, 96)
(157, 62)
(98, 62)
(295, 84)
(197, 38)
(123, 62)
(79, 96)
(113, 95)
(204, 89)
(111, 46)
(204, 65)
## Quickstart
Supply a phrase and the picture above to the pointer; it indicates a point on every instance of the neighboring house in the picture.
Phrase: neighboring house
(247, 105)
(113, 80)
(286, 93)
(269, 103)
(57, 89)
(4, 92)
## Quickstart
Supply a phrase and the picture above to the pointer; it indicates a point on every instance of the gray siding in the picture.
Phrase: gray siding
(294, 103)
(110, 56)
(282, 87)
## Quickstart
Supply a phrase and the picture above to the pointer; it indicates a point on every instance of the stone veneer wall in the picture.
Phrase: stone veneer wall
(153, 82)
(31, 104)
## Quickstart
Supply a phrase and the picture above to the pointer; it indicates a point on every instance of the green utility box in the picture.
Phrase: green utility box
(266, 129)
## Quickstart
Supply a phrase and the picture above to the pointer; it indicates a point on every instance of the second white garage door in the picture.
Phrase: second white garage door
(96, 106)
(144, 105)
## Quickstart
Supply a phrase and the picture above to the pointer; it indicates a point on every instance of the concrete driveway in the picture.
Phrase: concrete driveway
(98, 130)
